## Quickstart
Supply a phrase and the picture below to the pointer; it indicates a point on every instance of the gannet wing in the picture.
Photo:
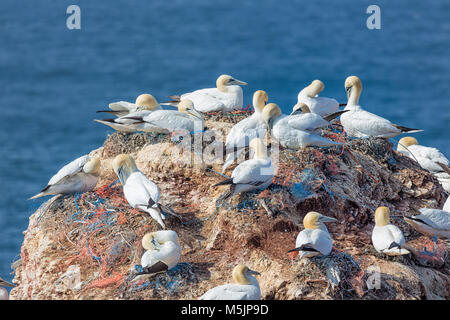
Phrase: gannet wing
(122, 106)
(307, 122)
(227, 292)
(249, 172)
(373, 125)
(69, 169)
(206, 100)
(140, 191)
(435, 218)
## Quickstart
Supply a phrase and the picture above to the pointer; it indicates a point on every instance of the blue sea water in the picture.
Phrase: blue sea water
(53, 79)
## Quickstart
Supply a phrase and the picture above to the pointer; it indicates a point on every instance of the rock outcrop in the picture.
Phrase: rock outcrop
(89, 246)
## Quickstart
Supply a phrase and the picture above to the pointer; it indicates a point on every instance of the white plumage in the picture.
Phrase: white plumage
(163, 251)
(227, 96)
(246, 130)
(387, 238)
(431, 222)
(80, 175)
(139, 191)
(362, 124)
(447, 205)
(143, 102)
(322, 106)
(253, 174)
(296, 131)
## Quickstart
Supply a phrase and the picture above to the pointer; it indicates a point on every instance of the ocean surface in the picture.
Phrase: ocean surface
(52, 79)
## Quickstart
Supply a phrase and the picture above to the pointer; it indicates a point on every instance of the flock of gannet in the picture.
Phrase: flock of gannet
(300, 129)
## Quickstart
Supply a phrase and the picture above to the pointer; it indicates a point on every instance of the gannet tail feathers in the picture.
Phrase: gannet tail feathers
(155, 268)
(342, 104)
(227, 194)
(444, 167)
(108, 111)
(224, 182)
(174, 102)
(40, 194)
(334, 115)
(4, 283)
(406, 129)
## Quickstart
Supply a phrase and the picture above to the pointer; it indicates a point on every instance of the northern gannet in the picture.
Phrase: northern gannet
(387, 238)
(431, 222)
(144, 102)
(314, 120)
(163, 251)
(227, 96)
(164, 121)
(295, 131)
(139, 191)
(246, 287)
(244, 131)
(430, 159)
(3, 292)
(314, 240)
(253, 174)
(320, 105)
(80, 175)
(363, 124)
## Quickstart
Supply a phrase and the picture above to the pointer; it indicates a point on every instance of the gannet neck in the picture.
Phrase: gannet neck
(259, 147)
(92, 166)
(124, 165)
(353, 86)
(314, 88)
(222, 82)
(260, 99)
(382, 216)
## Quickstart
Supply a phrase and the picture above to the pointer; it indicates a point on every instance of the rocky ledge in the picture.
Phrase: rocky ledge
(89, 246)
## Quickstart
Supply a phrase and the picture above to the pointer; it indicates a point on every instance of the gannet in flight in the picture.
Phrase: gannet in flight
(80, 175)
(295, 131)
(139, 191)
(162, 121)
(163, 251)
(3, 292)
(246, 287)
(314, 240)
(245, 130)
(430, 159)
(431, 222)
(386, 237)
(226, 97)
(320, 105)
(253, 174)
(363, 124)
(144, 102)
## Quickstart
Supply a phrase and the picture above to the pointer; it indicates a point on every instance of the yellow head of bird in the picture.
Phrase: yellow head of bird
(258, 146)
(406, 142)
(187, 106)
(353, 86)
(260, 99)
(300, 107)
(314, 88)
(225, 80)
(270, 113)
(241, 274)
(92, 166)
(124, 165)
(315, 220)
(382, 216)
(146, 101)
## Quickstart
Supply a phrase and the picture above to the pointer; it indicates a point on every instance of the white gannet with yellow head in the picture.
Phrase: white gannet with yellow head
(3, 292)
(295, 131)
(387, 238)
(226, 97)
(163, 251)
(320, 105)
(139, 191)
(253, 174)
(164, 121)
(244, 131)
(363, 124)
(246, 287)
(144, 102)
(432, 222)
(429, 158)
(315, 239)
(80, 175)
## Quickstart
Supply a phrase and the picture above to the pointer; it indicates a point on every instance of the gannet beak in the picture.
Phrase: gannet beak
(253, 272)
(121, 176)
(296, 112)
(195, 113)
(155, 243)
(327, 219)
(237, 82)
(348, 89)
